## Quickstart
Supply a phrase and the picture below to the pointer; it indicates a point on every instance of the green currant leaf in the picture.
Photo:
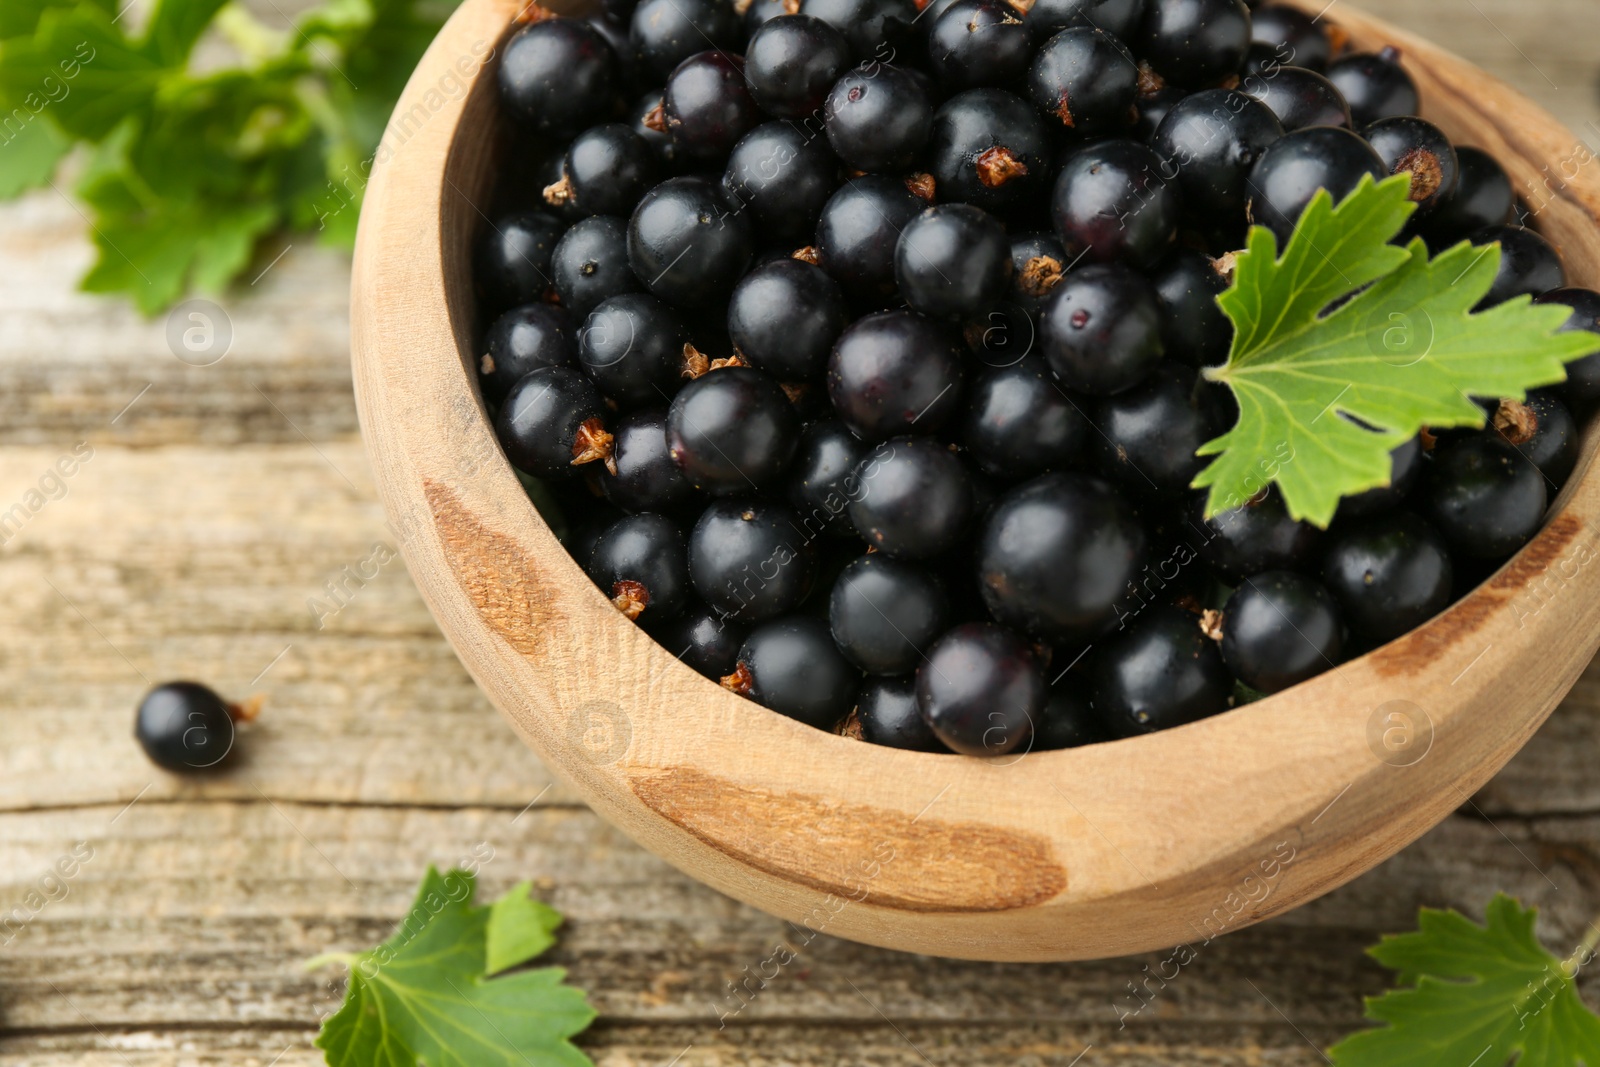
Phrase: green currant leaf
(1479, 995)
(1324, 396)
(103, 78)
(175, 26)
(28, 157)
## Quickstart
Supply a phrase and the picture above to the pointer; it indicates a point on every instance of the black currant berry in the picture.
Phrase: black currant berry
(1529, 264)
(1405, 472)
(1152, 109)
(1279, 629)
(1259, 536)
(1292, 171)
(513, 259)
(646, 478)
(606, 171)
(553, 422)
(886, 613)
(732, 431)
(708, 107)
(761, 12)
(887, 711)
(667, 32)
(1484, 496)
(876, 29)
(953, 262)
(981, 690)
(631, 346)
(784, 318)
(1410, 145)
(1543, 429)
(893, 373)
(1101, 329)
(858, 232)
(1390, 574)
(878, 119)
(648, 119)
(1298, 98)
(791, 62)
(1149, 434)
(1482, 198)
(821, 480)
(1019, 422)
(1375, 86)
(703, 639)
(640, 563)
(914, 498)
(1194, 43)
(1120, 18)
(559, 75)
(1087, 79)
(783, 177)
(750, 560)
(1582, 387)
(988, 148)
(1211, 140)
(1056, 556)
(978, 42)
(687, 244)
(1111, 202)
(1161, 672)
(521, 341)
(1193, 328)
(1068, 722)
(185, 727)
(792, 667)
(1293, 34)
(590, 265)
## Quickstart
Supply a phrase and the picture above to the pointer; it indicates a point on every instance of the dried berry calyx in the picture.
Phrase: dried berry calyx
(741, 681)
(695, 362)
(558, 193)
(593, 443)
(1040, 275)
(998, 166)
(1516, 421)
(922, 185)
(630, 598)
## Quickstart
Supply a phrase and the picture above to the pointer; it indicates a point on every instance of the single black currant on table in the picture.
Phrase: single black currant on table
(978, 42)
(667, 32)
(1149, 435)
(1482, 198)
(606, 171)
(822, 478)
(878, 119)
(981, 690)
(1484, 496)
(1390, 574)
(558, 76)
(886, 709)
(185, 727)
(1056, 555)
(590, 265)
(896, 372)
(1541, 428)
(914, 498)
(632, 347)
(640, 562)
(648, 119)
(1120, 18)
(876, 29)
(1582, 387)
(750, 559)
(1375, 85)
(1405, 474)
(708, 107)
(1194, 43)
(784, 318)
(1112, 203)
(1087, 79)
(1292, 33)
(1280, 629)
(953, 261)
(1193, 328)
(553, 423)
(1298, 98)
(1101, 329)
(703, 639)
(1068, 721)
(1038, 263)
(1410, 145)
(1257, 536)
(646, 478)
(885, 613)
(1293, 170)
(521, 341)
(1160, 672)
(783, 178)
(1211, 140)
(1529, 264)
(859, 231)
(687, 243)
(732, 431)
(513, 259)
(793, 667)
(791, 62)
(1019, 422)
(989, 148)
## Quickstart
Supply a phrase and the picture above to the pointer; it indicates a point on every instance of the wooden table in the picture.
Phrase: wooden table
(209, 536)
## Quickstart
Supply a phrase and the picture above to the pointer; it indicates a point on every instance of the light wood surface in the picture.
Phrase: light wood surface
(191, 543)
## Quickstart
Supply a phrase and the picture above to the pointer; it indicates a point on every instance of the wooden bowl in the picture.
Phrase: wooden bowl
(1100, 851)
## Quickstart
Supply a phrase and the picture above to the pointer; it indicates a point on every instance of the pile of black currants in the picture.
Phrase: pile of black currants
(858, 345)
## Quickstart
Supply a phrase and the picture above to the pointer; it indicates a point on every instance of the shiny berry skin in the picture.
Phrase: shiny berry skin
(1211, 140)
(784, 318)
(977, 42)
(703, 639)
(981, 690)
(1101, 329)
(1375, 86)
(1161, 672)
(1390, 574)
(1152, 109)
(648, 113)
(512, 264)
(1193, 328)
(732, 431)
(1298, 98)
(608, 169)
(1291, 33)
(184, 727)
(548, 423)
(1149, 434)
(791, 62)
(750, 560)
(1194, 43)
(914, 499)
(988, 148)
(1280, 629)
(1068, 721)
(893, 373)
(887, 711)
(558, 76)
(761, 12)
(1292, 171)
(1086, 79)
(521, 341)
(1405, 474)
(876, 29)
(859, 230)
(640, 563)
(1482, 198)
(1019, 422)
(1545, 432)
(646, 478)
(792, 667)
(631, 346)
(1529, 264)
(687, 244)
(1111, 202)
(1056, 555)
(821, 479)
(667, 32)
(1410, 145)
(1582, 387)
(885, 613)
(878, 120)
(1484, 496)
(1259, 536)
(782, 178)
(590, 264)
(953, 261)
(708, 106)
(1120, 18)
